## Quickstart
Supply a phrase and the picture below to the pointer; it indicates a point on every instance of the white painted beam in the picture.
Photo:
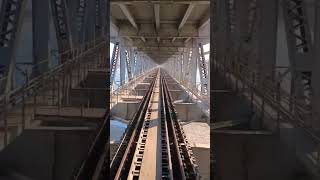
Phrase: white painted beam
(188, 39)
(204, 22)
(157, 15)
(129, 38)
(113, 25)
(143, 39)
(127, 13)
(186, 15)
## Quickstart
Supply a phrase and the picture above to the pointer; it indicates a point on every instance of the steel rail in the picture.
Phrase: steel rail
(176, 160)
(166, 163)
(121, 162)
(185, 168)
(177, 164)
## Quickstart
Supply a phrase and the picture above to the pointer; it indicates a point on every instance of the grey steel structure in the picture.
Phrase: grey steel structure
(261, 73)
(49, 51)
(166, 30)
(266, 53)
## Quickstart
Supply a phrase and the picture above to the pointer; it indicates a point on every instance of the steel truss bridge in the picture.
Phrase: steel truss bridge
(56, 77)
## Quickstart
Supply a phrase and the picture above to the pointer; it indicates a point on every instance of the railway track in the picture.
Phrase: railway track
(154, 145)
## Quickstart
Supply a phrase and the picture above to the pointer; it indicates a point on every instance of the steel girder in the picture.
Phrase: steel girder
(62, 27)
(203, 71)
(40, 34)
(316, 68)
(267, 24)
(10, 23)
(240, 35)
(128, 63)
(122, 65)
(90, 20)
(101, 17)
(80, 19)
(300, 49)
(114, 62)
(193, 64)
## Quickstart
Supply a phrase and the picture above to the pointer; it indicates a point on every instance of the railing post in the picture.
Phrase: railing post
(81, 110)
(278, 96)
(236, 76)
(34, 103)
(69, 84)
(5, 114)
(88, 104)
(252, 94)
(318, 153)
(63, 82)
(23, 110)
(78, 76)
(53, 89)
(59, 98)
(262, 109)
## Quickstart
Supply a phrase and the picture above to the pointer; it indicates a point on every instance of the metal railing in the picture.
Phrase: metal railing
(127, 89)
(20, 106)
(268, 99)
(194, 92)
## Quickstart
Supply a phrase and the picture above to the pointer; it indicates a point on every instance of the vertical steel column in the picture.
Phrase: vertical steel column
(80, 21)
(131, 60)
(143, 64)
(90, 20)
(134, 62)
(10, 23)
(180, 66)
(114, 62)
(267, 33)
(128, 63)
(185, 65)
(250, 43)
(137, 63)
(221, 31)
(61, 22)
(40, 35)
(103, 17)
(213, 46)
(122, 65)
(241, 20)
(72, 9)
(98, 20)
(175, 72)
(300, 50)
(316, 70)
(194, 66)
(241, 30)
(203, 71)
